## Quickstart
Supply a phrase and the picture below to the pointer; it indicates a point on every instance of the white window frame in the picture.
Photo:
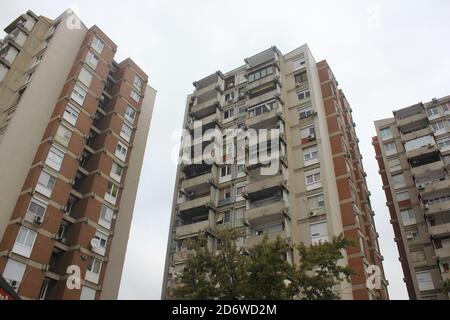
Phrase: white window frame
(305, 132)
(113, 173)
(317, 238)
(30, 215)
(425, 281)
(14, 271)
(386, 133)
(316, 179)
(93, 270)
(92, 60)
(124, 133)
(106, 216)
(102, 240)
(127, 114)
(71, 114)
(42, 188)
(87, 293)
(311, 155)
(138, 83)
(57, 153)
(85, 77)
(408, 217)
(25, 246)
(390, 148)
(398, 180)
(135, 95)
(97, 44)
(114, 189)
(64, 139)
(79, 94)
(119, 154)
(401, 196)
(303, 94)
(298, 63)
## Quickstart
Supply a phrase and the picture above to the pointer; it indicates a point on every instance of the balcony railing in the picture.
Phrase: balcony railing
(190, 229)
(265, 210)
(205, 201)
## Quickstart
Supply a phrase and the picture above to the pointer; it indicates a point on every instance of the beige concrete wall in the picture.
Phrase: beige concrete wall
(27, 127)
(116, 258)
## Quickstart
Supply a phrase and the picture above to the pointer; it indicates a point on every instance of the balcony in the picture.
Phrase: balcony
(206, 122)
(416, 134)
(443, 253)
(441, 230)
(267, 183)
(270, 78)
(435, 187)
(265, 120)
(191, 229)
(438, 207)
(272, 236)
(424, 170)
(421, 151)
(205, 202)
(199, 182)
(267, 212)
(181, 256)
(206, 103)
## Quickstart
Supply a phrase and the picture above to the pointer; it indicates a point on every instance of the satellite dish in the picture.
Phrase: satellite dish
(95, 243)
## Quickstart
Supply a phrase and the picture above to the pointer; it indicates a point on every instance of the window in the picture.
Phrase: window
(85, 77)
(229, 96)
(106, 215)
(78, 94)
(240, 189)
(259, 74)
(262, 108)
(93, 270)
(111, 193)
(130, 114)
(312, 177)
(310, 154)
(419, 142)
(138, 83)
(399, 181)
(116, 172)
(437, 126)
(71, 114)
(29, 77)
(386, 133)
(316, 204)
(301, 77)
(13, 273)
(63, 135)
(408, 217)
(99, 242)
(121, 151)
(319, 232)
(135, 96)
(432, 112)
(126, 132)
(390, 148)
(97, 45)
(305, 113)
(308, 132)
(225, 173)
(446, 107)
(302, 95)
(394, 165)
(87, 293)
(228, 114)
(444, 144)
(24, 242)
(240, 170)
(424, 280)
(55, 158)
(298, 63)
(92, 60)
(224, 196)
(46, 183)
(36, 208)
(402, 196)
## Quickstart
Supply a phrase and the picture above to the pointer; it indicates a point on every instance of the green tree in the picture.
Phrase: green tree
(263, 271)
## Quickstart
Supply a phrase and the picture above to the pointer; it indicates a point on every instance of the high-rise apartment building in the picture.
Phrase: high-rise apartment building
(73, 129)
(318, 189)
(413, 153)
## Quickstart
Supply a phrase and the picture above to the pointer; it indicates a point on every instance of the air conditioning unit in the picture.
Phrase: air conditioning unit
(246, 222)
(63, 240)
(13, 284)
(409, 237)
(311, 137)
(426, 206)
(312, 214)
(430, 145)
(420, 187)
(38, 219)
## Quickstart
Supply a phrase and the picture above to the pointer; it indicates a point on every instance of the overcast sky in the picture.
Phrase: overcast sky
(385, 55)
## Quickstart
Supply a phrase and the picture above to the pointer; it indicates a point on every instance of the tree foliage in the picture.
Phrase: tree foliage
(261, 272)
